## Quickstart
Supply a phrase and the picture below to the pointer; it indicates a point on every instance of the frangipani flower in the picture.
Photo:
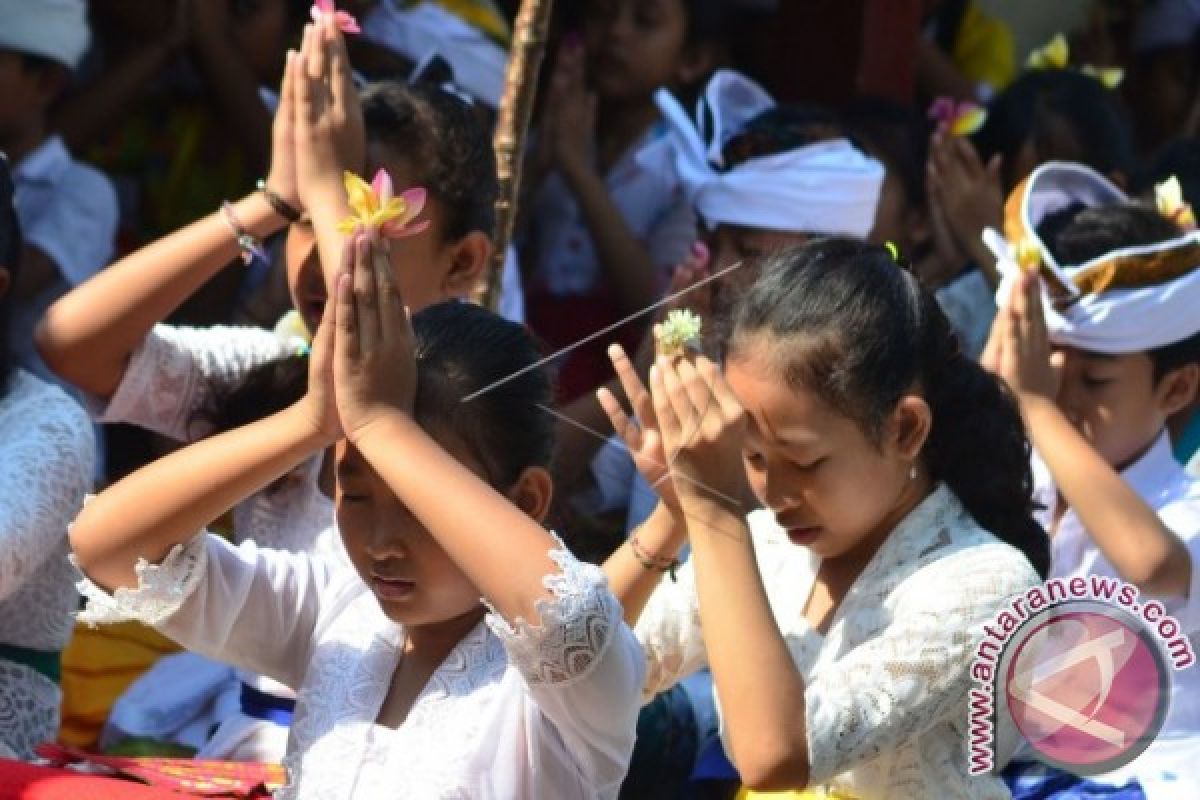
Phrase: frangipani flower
(1168, 196)
(374, 206)
(1029, 255)
(345, 20)
(1053, 55)
(679, 331)
(957, 119)
(292, 330)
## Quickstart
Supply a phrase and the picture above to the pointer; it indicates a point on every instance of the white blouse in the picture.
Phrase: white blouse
(46, 459)
(174, 375)
(887, 687)
(531, 712)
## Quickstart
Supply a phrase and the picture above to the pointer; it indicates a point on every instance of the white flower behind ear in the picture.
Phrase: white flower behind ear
(678, 332)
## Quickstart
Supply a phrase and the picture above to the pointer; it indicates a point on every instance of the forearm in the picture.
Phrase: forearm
(90, 113)
(169, 501)
(762, 696)
(88, 336)
(502, 550)
(621, 255)
(661, 536)
(1127, 531)
(327, 210)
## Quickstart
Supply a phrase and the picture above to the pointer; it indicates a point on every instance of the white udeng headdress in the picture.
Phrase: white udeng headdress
(1129, 300)
(829, 187)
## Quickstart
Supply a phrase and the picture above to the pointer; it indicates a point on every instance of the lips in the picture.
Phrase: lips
(391, 588)
(800, 534)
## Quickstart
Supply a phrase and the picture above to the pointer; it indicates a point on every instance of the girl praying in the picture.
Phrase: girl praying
(411, 685)
(839, 620)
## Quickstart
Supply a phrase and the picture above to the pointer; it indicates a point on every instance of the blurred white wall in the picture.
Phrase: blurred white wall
(1033, 22)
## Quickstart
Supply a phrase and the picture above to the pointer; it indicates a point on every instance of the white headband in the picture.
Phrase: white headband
(1113, 320)
(829, 187)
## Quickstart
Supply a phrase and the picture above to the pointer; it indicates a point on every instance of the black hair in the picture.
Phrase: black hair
(10, 259)
(946, 23)
(779, 129)
(460, 349)
(1181, 159)
(1075, 235)
(896, 134)
(443, 140)
(707, 21)
(32, 62)
(861, 333)
(1043, 106)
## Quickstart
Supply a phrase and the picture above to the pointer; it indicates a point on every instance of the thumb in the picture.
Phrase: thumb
(994, 165)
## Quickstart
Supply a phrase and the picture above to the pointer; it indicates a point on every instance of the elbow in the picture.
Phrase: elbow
(57, 354)
(1162, 578)
(767, 765)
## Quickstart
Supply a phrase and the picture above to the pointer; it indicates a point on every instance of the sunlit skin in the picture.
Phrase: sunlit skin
(831, 487)
(1113, 401)
(412, 577)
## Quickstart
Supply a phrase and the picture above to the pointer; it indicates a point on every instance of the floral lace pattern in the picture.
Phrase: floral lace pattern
(886, 688)
(575, 627)
(46, 468)
(161, 591)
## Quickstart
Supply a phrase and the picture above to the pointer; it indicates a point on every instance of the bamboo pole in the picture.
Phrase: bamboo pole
(512, 126)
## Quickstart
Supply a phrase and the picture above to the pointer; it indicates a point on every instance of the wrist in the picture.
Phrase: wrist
(388, 421)
(306, 422)
(258, 217)
(1037, 410)
(705, 512)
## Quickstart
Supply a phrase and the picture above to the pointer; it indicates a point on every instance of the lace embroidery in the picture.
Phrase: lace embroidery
(161, 591)
(576, 624)
(28, 709)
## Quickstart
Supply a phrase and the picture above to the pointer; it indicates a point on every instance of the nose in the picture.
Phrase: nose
(385, 541)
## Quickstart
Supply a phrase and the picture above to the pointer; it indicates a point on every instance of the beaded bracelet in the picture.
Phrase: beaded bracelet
(280, 206)
(657, 563)
(249, 244)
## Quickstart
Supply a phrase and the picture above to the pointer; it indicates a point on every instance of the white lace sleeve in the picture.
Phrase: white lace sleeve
(576, 624)
(175, 371)
(582, 669)
(161, 591)
(900, 683)
(670, 634)
(46, 466)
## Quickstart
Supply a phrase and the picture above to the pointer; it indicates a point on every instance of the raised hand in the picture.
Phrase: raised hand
(1018, 349)
(703, 427)
(571, 108)
(320, 401)
(281, 177)
(639, 433)
(374, 362)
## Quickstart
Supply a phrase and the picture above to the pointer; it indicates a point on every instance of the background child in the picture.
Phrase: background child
(409, 686)
(602, 231)
(68, 210)
(46, 461)
(873, 493)
(1096, 381)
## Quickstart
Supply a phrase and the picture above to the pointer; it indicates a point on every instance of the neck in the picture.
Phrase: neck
(624, 121)
(856, 559)
(21, 142)
(434, 641)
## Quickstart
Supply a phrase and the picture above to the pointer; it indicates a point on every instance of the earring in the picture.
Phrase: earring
(912, 472)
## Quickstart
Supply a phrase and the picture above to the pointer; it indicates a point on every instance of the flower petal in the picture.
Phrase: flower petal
(395, 230)
(347, 23)
(381, 184)
(968, 121)
(359, 194)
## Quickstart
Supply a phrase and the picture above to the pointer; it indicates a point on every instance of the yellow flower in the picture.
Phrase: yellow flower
(679, 331)
(957, 119)
(1029, 255)
(1168, 196)
(1053, 55)
(375, 207)
(1109, 77)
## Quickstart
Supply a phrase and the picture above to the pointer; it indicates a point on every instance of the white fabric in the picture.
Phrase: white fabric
(54, 29)
(886, 689)
(828, 187)
(546, 712)
(651, 203)
(512, 294)
(68, 211)
(427, 29)
(46, 455)
(1114, 321)
(173, 375)
(967, 302)
(1168, 769)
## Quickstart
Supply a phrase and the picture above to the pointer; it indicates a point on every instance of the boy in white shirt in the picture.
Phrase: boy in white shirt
(68, 210)
(1115, 352)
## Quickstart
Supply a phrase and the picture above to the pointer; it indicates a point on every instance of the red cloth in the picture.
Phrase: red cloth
(21, 781)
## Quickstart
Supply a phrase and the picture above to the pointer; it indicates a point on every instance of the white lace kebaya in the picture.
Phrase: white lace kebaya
(886, 688)
(46, 462)
(543, 712)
